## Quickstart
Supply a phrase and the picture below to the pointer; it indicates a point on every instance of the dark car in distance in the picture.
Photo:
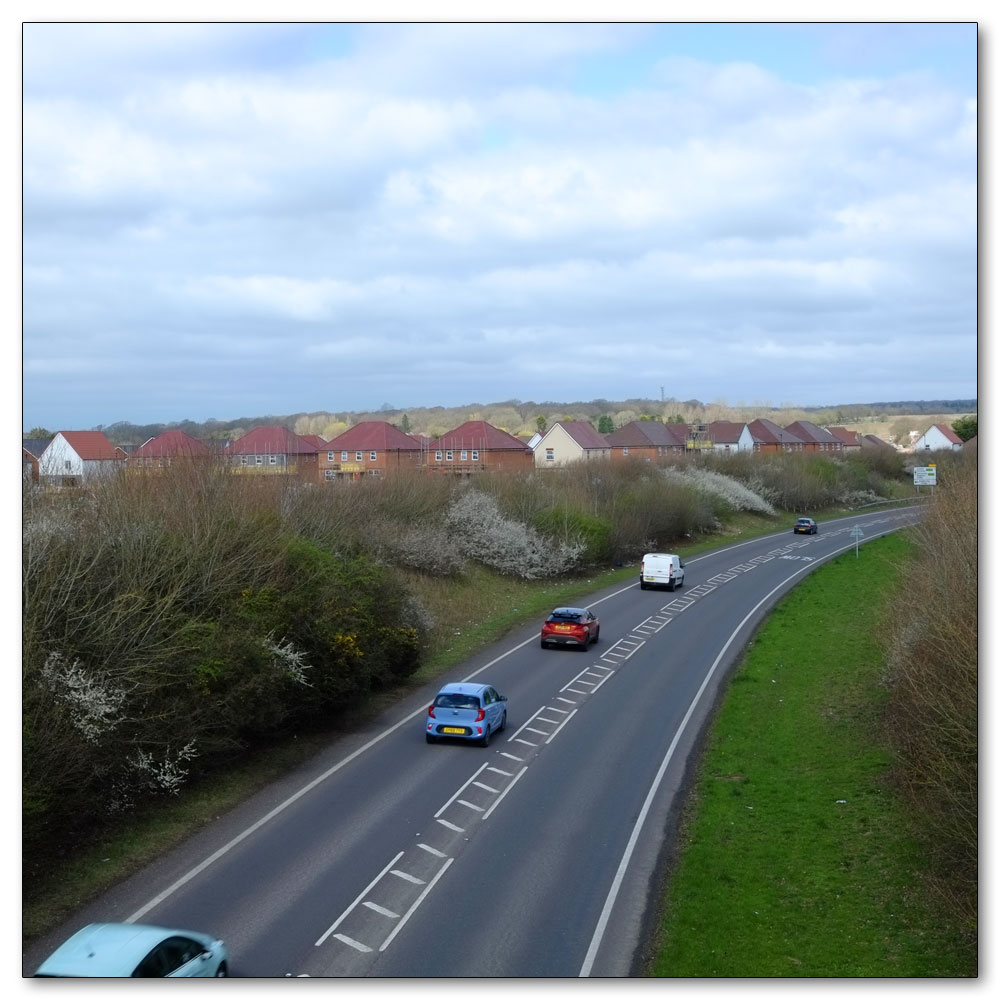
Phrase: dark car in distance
(805, 526)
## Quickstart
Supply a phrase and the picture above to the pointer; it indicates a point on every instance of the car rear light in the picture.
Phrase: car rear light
(430, 711)
(481, 715)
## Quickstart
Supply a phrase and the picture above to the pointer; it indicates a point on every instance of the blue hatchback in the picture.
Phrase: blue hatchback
(466, 712)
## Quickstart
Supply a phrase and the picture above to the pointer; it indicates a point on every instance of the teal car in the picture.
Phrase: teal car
(140, 950)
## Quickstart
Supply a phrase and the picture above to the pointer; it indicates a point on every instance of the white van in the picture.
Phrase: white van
(661, 569)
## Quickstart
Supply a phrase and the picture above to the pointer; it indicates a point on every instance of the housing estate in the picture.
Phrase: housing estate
(647, 440)
(276, 450)
(73, 458)
(570, 441)
(477, 446)
(369, 448)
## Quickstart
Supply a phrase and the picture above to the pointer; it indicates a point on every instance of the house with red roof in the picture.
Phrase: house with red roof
(275, 450)
(814, 437)
(369, 448)
(938, 437)
(74, 458)
(477, 446)
(165, 449)
(768, 436)
(850, 440)
(646, 440)
(569, 441)
(728, 435)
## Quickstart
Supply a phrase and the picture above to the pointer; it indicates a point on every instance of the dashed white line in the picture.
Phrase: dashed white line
(351, 942)
(407, 877)
(432, 850)
(470, 805)
(430, 885)
(361, 895)
(451, 826)
(380, 909)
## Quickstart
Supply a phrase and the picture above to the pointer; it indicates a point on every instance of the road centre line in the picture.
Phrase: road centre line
(500, 797)
(462, 789)
(559, 727)
(412, 909)
(361, 895)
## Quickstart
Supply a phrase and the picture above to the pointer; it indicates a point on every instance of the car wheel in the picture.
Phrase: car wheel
(597, 634)
(485, 741)
(429, 738)
(671, 585)
(544, 644)
(642, 585)
(222, 971)
(680, 582)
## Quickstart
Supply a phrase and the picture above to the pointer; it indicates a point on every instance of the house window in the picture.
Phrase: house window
(343, 456)
(437, 456)
(465, 456)
(67, 464)
(374, 472)
(272, 460)
(475, 455)
(624, 451)
(550, 455)
(259, 459)
(449, 456)
(372, 456)
(243, 460)
(330, 475)
(329, 456)
(357, 456)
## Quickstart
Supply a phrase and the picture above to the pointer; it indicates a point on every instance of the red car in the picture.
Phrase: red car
(570, 627)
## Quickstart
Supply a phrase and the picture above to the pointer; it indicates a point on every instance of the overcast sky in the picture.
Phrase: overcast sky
(227, 220)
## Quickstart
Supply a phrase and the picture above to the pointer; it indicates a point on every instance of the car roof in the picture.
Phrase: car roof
(462, 688)
(107, 949)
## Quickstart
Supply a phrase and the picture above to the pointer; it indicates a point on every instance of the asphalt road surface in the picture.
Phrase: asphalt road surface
(534, 857)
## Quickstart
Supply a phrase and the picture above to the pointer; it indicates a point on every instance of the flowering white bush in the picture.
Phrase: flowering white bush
(94, 704)
(858, 498)
(733, 492)
(430, 550)
(286, 657)
(483, 533)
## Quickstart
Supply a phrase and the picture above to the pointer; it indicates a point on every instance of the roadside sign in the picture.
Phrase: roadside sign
(925, 475)
(857, 534)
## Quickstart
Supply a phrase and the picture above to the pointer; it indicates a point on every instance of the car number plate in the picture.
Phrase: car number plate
(562, 628)
(452, 729)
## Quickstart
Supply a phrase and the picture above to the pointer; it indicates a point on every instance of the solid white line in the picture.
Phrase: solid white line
(419, 900)
(612, 896)
(361, 895)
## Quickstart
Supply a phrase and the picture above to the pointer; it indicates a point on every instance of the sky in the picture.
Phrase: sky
(225, 220)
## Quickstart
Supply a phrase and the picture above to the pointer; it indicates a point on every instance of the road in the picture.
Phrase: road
(535, 857)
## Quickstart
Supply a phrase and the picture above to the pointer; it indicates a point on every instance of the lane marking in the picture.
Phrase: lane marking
(502, 795)
(409, 913)
(407, 877)
(361, 895)
(380, 909)
(432, 850)
(352, 942)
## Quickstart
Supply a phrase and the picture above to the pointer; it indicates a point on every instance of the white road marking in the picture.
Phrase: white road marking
(380, 909)
(361, 895)
(352, 942)
(409, 913)
(501, 796)
(432, 850)
(407, 877)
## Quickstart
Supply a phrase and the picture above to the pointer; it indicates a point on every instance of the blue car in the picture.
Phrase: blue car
(466, 712)
(116, 950)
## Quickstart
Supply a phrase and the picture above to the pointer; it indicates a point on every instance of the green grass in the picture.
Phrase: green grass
(795, 857)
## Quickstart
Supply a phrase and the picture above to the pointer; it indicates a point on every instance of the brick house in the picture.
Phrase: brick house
(275, 450)
(31, 452)
(647, 440)
(369, 448)
(814, 437)
(850, 440)
(167, 448)
(477, 446)
(768, 436)
(569, 441)
(73, 458)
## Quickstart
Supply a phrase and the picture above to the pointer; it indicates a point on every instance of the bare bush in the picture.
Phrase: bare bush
(931, 637)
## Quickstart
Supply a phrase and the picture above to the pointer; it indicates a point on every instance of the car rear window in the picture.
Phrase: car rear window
(562, 616)
(456, 701)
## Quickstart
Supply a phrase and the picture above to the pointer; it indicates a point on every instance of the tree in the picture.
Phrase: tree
(404, 424)
(605, 425)
(541, 423)
(966, 427)
(39, 432)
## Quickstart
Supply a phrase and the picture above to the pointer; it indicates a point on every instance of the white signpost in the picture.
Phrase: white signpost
(925, 475)
(857, 534)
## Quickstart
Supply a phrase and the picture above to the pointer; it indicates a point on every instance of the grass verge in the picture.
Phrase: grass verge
(795, 857)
